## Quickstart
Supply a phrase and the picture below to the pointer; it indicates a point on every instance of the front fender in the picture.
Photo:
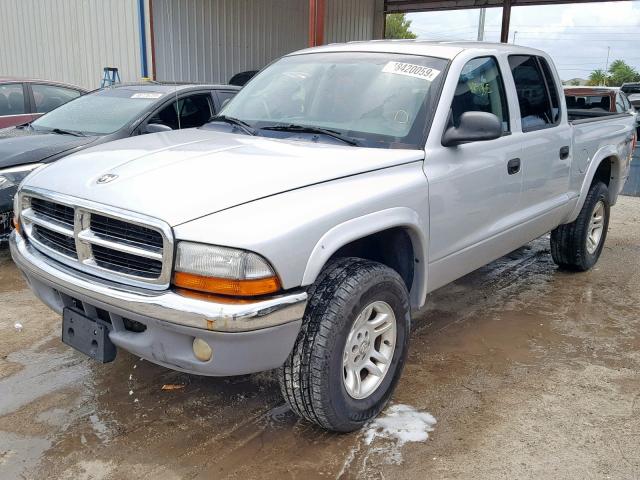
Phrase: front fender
(356, 228)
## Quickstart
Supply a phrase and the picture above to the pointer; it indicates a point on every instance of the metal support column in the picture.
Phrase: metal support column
(506, 19)
(316, 22)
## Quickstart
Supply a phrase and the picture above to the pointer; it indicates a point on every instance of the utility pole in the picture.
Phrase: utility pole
(483, 13)
(514, 36)
(606, 68)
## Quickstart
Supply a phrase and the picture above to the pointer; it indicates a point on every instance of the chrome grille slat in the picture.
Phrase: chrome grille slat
(48, 223)
(98, 239)
(91, 237)
(52, 239)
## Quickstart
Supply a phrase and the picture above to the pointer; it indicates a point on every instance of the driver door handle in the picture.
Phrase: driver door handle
(564, 153)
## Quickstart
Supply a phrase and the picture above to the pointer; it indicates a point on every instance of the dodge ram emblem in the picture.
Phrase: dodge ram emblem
(107, 178)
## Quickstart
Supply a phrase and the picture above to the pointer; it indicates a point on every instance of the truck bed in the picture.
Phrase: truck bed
(577, 116)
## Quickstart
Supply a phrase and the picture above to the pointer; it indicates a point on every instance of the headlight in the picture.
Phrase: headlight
(10, 177)
(223, 271)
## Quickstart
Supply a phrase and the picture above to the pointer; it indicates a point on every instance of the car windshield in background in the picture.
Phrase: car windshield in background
(588, 102)
(631, 89)
(100, 113)
(370, 99)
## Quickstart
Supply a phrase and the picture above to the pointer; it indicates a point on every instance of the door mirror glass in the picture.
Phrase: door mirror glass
(473, 127)
(156, 128)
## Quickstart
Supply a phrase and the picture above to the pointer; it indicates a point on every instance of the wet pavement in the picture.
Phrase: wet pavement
(530, 372)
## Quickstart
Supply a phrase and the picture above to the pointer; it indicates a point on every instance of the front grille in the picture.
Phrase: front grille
(55, 211)
(116, 245)
(126, 263)
(115, 229)
(56, 241)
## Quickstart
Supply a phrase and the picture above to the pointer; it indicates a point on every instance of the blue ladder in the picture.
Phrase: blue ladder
(110, 77)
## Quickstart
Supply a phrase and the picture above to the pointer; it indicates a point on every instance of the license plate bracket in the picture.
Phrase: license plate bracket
(87, 336)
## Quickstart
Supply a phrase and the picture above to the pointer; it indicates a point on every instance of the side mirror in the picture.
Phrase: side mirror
(155, 128)
(474, 127)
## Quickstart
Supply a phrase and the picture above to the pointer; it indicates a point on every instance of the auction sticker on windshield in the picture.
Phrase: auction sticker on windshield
(411, 70)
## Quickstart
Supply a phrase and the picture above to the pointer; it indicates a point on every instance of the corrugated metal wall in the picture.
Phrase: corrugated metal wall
(349, 20)
(69, 40)
(211, 40)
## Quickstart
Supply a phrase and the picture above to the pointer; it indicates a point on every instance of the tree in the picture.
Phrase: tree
(397, 26)
(598, 77)
(620, 72)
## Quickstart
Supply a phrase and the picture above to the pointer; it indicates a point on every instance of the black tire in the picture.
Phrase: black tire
(311, 379)
(569, 242)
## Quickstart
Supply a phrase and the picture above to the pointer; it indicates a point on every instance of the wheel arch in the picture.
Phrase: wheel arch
(607, 169)
(362, 233)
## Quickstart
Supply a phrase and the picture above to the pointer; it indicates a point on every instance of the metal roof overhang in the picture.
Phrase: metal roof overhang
(408, 6)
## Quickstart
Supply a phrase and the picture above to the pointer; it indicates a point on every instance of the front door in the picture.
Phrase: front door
(474, 188)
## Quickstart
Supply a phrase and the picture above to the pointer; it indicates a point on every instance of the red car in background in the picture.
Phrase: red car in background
(24, 100)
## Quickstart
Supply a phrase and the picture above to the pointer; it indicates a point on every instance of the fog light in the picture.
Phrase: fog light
(202, 350)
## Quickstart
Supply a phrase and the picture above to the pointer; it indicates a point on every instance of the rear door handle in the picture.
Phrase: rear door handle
(564, 153)
(513, 166)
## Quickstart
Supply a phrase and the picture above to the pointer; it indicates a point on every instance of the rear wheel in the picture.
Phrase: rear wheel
(350, 352)
(578, 245)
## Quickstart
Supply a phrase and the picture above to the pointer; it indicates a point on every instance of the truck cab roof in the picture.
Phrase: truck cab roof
(447, 50)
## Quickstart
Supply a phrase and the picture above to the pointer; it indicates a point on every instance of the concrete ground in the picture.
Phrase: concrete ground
(530, 372)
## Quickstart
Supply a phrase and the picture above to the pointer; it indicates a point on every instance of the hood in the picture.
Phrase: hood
(182, 175)
(21, 146)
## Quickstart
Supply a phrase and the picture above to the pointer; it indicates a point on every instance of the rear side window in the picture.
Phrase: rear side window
(620, 108)
(536, 109)
(48, 97)
(480, 89)
(12, 99)
(552, 89)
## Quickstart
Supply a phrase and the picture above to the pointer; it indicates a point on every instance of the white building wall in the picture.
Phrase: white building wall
(211, 40)
(69, 40)
(349, 20)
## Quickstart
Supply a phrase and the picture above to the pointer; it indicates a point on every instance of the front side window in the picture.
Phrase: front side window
(620, 104)
(480, 89)
(48, 97)
(188, 112)
(12, 99)
(379, 100)
(535, 106)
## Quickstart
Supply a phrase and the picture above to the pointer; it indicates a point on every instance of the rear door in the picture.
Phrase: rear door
(14, 104)
(545, 140)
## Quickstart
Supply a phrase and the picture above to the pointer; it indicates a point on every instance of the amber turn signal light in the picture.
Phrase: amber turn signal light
(226, 286)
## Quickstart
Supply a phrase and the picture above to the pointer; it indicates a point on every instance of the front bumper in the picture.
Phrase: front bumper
(245, 338)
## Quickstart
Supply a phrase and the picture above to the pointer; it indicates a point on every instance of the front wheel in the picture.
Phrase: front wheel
(350, 352)
(577, 245)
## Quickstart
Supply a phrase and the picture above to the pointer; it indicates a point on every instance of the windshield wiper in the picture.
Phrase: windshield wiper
(308, 129)
(244, 126)
(61, 131)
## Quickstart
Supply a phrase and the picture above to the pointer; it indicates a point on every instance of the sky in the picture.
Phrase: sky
(577, 36)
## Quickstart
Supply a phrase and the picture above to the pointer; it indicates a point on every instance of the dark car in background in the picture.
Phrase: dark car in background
(99, 117)
(24, 100)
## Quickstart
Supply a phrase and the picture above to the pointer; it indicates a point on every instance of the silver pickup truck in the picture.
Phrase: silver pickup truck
(300, 228)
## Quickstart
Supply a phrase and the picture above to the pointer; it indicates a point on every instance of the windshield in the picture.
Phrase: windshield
(101, 112)
(375, 99)
(588, 102)
(631, 89)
